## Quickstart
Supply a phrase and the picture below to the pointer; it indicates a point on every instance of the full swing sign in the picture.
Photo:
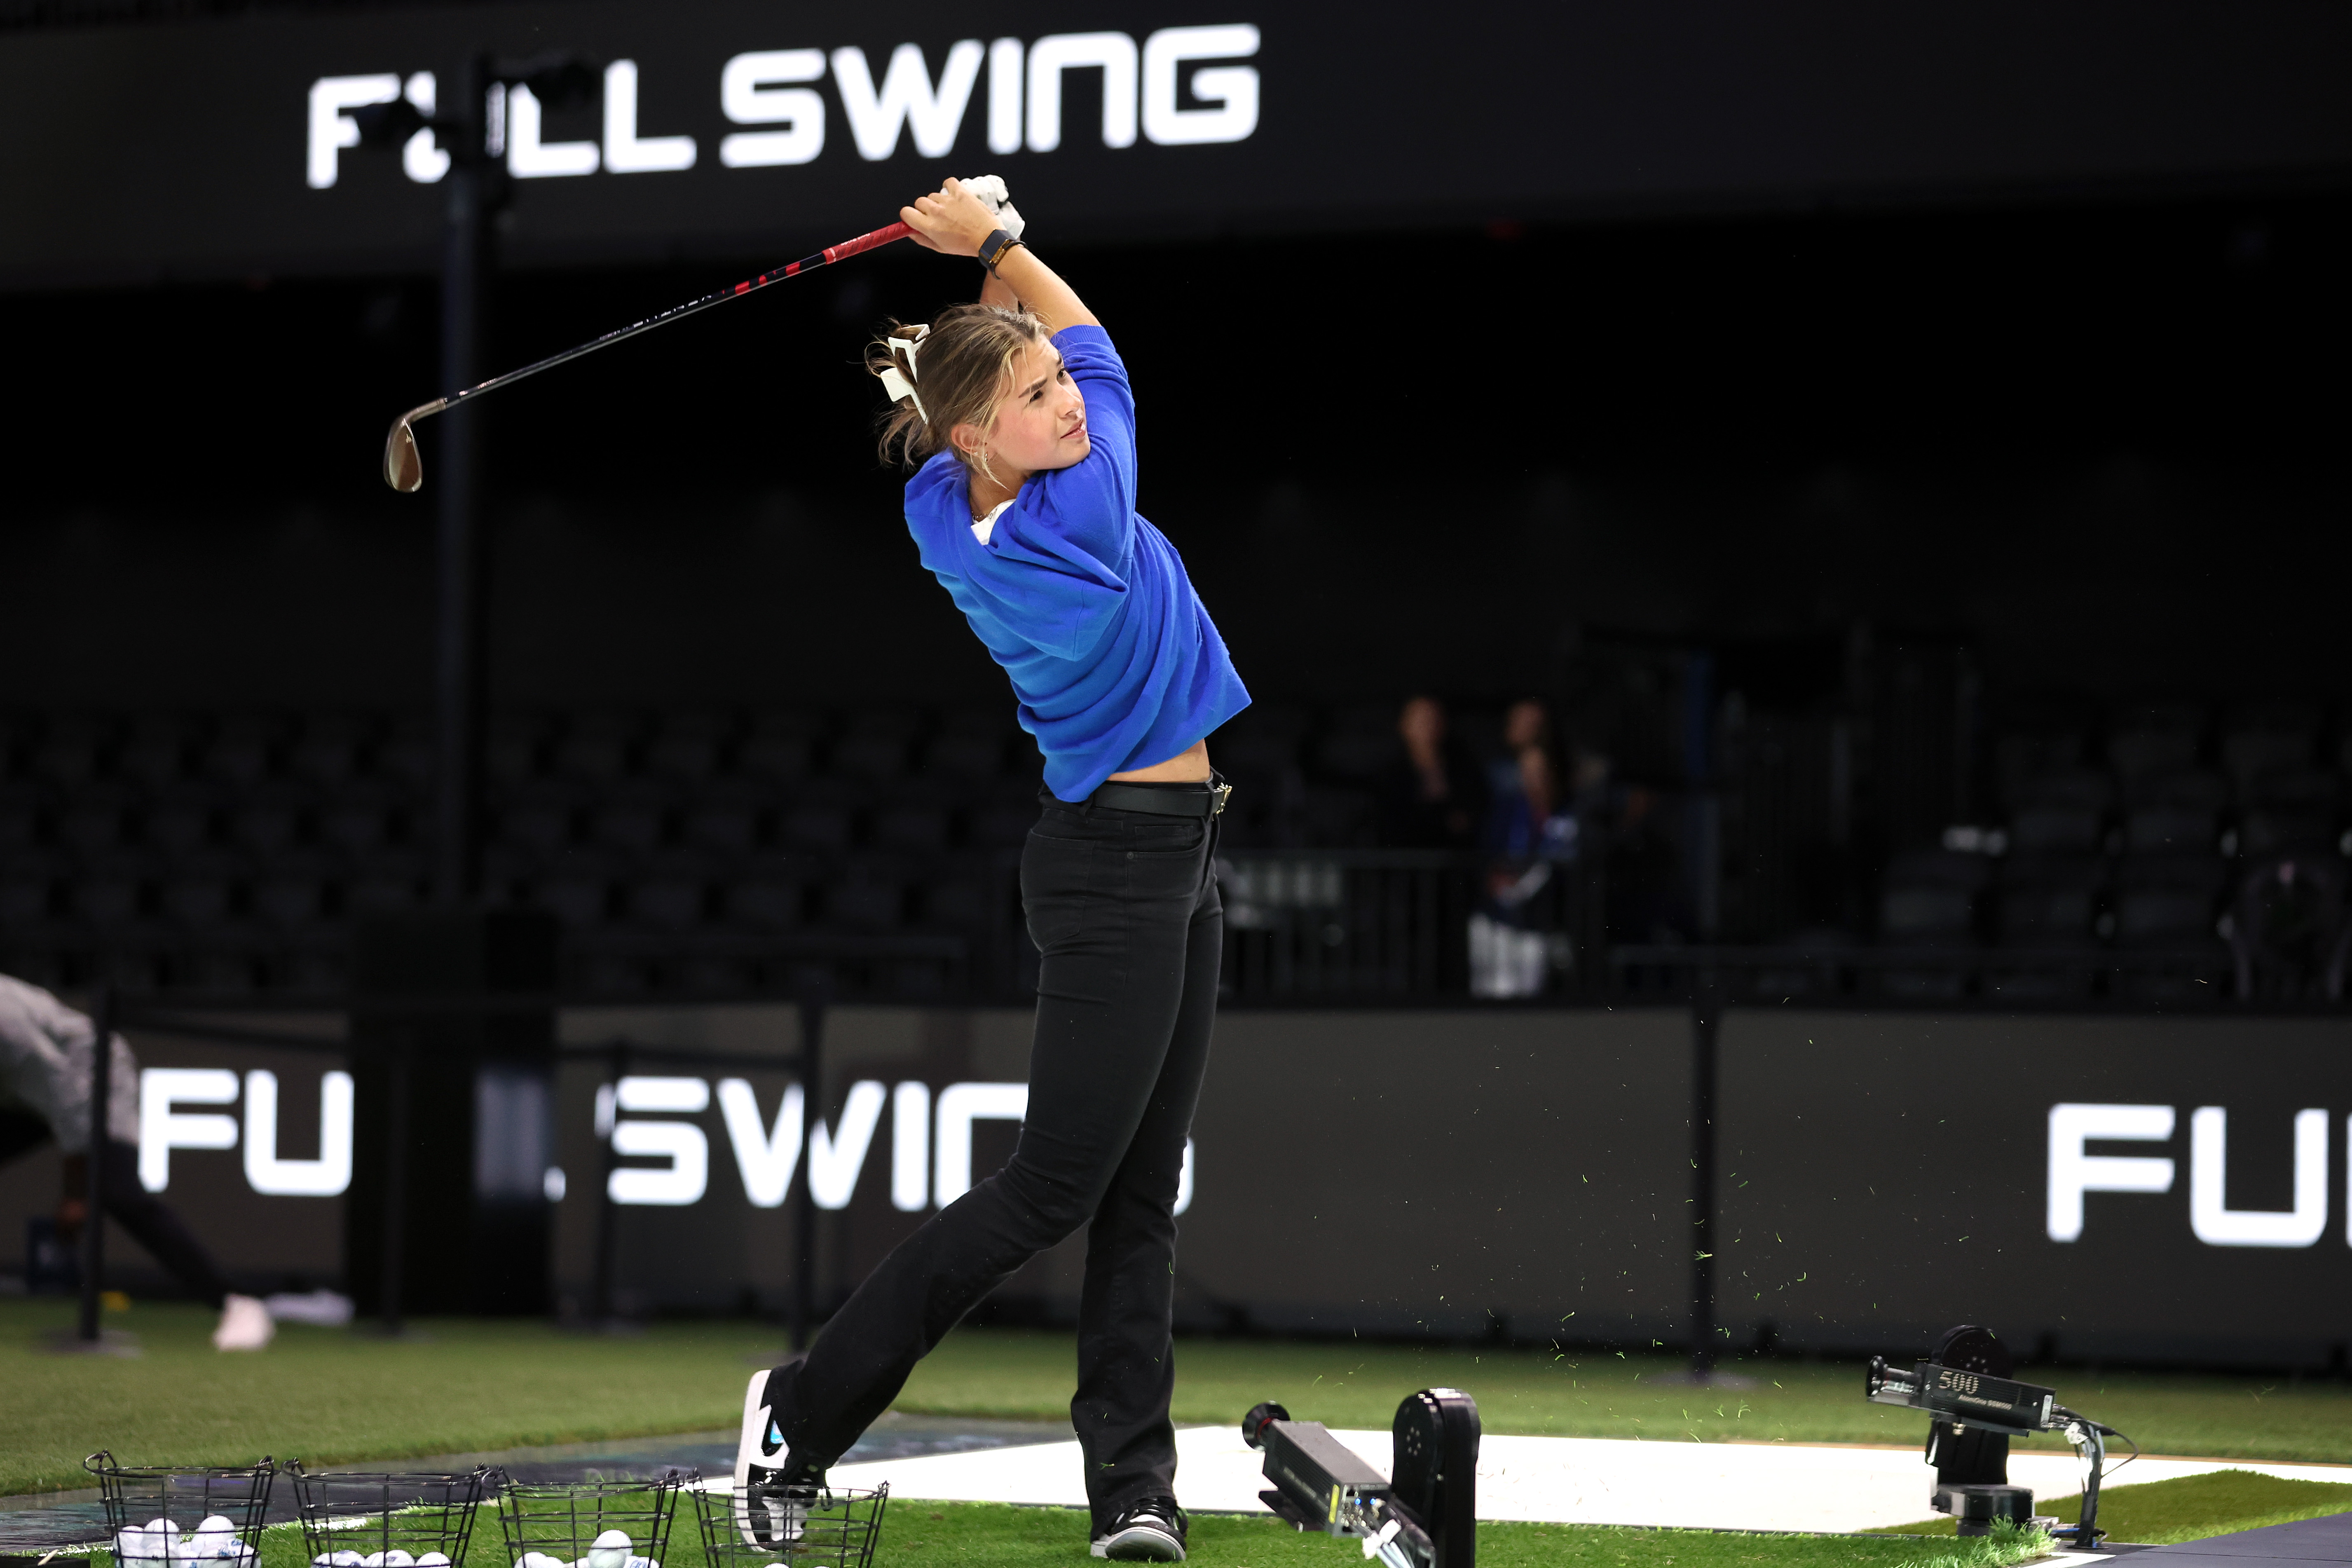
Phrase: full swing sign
(719, 130)
(737, 130)
(1182, 86)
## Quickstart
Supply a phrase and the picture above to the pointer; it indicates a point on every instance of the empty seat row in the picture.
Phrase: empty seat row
(2183, 811)
(866, 892)
(100, 823)
(333, 749)
(1356, 744)
(1945, 897)
(2145, 902)
(2141, 740)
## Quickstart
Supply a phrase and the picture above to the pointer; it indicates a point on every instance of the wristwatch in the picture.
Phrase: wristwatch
(995, 248)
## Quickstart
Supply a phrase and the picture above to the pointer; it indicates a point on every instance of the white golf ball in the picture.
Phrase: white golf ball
(396, 1558)
(433, 1559)
(612, 1550)
(347, 1558)
(372, 1560)
(131, 1543)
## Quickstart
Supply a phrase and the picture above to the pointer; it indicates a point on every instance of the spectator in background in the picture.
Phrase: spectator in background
(1525, 723)
(1533, 823)
(1530, 832)
(45, 1057)
(1433, 798)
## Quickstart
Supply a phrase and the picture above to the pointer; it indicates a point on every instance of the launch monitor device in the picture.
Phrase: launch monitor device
(1964, 1398)
(1976, 1407)
(1422, 1514)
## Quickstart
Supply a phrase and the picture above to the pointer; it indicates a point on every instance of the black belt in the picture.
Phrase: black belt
(1192, 800)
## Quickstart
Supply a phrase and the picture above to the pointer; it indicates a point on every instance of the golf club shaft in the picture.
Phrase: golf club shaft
(830, 254)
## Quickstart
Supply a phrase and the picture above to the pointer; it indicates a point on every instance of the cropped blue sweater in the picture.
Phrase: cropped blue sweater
(1087, 607)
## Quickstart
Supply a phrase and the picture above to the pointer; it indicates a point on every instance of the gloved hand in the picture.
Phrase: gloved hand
(990, 189)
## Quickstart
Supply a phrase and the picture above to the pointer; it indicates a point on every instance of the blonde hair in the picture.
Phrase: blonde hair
(965, 373)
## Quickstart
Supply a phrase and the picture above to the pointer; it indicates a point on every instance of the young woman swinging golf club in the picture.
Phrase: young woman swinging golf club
(1018, 411)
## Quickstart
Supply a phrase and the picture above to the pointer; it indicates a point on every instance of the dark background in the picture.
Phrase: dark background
(1730, 329)
(2097, 442)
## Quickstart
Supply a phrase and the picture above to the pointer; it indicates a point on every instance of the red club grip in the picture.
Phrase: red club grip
(864, 242)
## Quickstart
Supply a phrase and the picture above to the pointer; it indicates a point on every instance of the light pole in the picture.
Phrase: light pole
(474, 188)
(468, 127)
(453, 1009)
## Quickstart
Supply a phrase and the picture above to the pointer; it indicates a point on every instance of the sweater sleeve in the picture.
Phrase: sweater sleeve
(1062, 557)
(1089, 507)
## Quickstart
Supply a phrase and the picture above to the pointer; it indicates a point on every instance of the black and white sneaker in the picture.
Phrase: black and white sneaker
(772, 1491)
(1149, 1531)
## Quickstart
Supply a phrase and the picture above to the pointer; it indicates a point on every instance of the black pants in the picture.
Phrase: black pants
(1123, 907)
(150, 1222)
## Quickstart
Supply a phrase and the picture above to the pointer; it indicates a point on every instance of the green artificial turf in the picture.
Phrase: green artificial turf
(331, 1395)
(1592, 1393)
(2188, 1508)
(996, 1535)
(986, 1535)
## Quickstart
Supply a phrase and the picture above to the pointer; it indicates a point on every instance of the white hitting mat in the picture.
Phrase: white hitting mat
(1575, 1480)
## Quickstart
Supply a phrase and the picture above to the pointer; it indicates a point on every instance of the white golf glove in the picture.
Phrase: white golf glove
(990, 189)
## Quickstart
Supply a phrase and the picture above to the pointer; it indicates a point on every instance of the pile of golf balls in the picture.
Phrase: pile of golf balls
(614, 1549)
(214, 1540)
(392, 1558)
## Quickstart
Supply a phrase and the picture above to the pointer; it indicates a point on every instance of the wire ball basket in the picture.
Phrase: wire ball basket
(184, 1514)
(366, 1520)
(767, 1528)
(612, 1523)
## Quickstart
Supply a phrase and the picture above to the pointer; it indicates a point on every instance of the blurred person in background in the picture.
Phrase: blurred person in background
(46, 1058)
(1531, 832)
(1433, 798)
(1526, 725)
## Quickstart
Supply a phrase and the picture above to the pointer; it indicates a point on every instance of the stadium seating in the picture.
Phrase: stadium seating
(701, 851)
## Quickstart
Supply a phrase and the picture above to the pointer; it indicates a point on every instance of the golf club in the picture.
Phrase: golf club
(404, 469)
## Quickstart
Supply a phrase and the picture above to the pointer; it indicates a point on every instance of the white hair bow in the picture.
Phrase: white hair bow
(901, 387)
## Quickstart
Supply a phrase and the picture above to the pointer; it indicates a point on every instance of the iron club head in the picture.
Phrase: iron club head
(404, 469)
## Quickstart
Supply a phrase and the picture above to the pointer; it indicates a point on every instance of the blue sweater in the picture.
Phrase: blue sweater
(1087, 607)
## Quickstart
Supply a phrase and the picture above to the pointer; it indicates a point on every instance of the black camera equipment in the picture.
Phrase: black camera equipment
(1424, 1516)
(1965, 1386)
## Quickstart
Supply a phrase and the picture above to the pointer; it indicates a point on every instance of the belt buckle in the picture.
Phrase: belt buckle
(1218, 792)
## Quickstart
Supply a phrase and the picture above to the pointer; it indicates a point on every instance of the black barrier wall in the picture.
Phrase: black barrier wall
(2166, 1189)
(1444, 1174)
(1885, 1176)
(269, 1208)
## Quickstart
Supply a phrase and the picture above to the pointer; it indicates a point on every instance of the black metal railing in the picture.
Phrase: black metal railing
(1325, 924)
(2109, 978)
